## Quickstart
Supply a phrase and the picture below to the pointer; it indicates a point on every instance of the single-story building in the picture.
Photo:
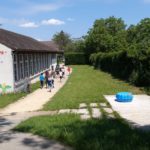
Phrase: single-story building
(23, 58)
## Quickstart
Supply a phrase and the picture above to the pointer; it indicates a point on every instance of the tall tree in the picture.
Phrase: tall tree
(62, 39)
(106, 35)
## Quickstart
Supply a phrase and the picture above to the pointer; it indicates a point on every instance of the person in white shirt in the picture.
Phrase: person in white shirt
(60, 75)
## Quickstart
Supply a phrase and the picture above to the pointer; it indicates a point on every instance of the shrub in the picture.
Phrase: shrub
(75, 58)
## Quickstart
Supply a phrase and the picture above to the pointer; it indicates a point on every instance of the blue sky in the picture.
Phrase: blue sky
(41, 19)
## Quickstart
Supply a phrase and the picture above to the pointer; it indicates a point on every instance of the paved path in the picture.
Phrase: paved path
(136, 112)
(35, 100)
(21, 110)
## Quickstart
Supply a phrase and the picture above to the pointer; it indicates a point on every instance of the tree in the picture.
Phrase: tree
(106, 35)
(62, 39)
(75, 46)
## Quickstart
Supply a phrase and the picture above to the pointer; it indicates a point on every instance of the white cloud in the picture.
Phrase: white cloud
(35, 8)
(70, 19)
(52, 22)
(43, 8)
(29, 25)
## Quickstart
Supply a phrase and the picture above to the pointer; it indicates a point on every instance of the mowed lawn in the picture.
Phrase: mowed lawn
(87, 85)
(7, 99)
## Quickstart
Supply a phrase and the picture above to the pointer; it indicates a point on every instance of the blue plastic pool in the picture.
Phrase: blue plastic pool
(124, 97)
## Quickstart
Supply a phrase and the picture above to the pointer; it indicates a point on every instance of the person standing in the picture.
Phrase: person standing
(46, 78)
(50, 83)
(60, 75)
(68, 69)
(41, 80)
(63, 71)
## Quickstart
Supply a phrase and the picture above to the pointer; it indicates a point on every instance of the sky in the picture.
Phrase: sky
(41, 19)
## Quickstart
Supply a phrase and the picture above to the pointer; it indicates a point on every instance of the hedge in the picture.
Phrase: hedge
(75, 58)
(122, 65)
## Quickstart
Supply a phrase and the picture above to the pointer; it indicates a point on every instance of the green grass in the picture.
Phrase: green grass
(7, 99)
(93, 134)
(87, 85)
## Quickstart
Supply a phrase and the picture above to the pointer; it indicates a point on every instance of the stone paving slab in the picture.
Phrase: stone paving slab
(136, 112)
(93, 105)
(108, 110)
(75, 111)
(111, 116)
(62, 111)
(83, 111)
(85, 117)
(103, 104)
(96, 113)
(82, 105)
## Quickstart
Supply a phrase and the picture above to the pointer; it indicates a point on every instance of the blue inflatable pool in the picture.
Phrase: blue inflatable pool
(124, 97)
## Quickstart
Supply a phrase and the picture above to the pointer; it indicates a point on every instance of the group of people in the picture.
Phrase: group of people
(48, 77)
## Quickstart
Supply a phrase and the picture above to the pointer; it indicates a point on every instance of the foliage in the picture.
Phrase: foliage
(62, 39)
(75, 47)
(123, 52)
(75, 58)
(107, 35)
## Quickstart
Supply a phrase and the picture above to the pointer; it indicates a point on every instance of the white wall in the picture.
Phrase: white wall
(6, 69)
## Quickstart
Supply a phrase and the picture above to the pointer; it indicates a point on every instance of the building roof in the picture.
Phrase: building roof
(52, 45)
(18, 42)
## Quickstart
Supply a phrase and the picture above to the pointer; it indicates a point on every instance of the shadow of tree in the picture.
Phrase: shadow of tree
(42, 144)
(95, 134)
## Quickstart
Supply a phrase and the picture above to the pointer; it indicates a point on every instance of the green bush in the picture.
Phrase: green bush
(75, 58)
(123, 65)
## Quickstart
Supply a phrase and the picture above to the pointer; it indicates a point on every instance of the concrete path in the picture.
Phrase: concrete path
(21, 110)
(35, 100)
(20, 141)
(136, 112)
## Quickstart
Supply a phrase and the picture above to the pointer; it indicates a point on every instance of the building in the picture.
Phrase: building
(23, 58)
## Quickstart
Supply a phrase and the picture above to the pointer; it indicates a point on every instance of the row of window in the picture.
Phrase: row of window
(26, 65)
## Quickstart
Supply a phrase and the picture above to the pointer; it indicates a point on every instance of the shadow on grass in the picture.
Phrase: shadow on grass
(104, 134)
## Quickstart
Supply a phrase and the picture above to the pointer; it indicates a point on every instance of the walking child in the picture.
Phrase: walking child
(41, 80)
(46, 78)
(50, 83)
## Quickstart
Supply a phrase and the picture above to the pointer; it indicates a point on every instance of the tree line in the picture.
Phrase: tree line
(114, 47)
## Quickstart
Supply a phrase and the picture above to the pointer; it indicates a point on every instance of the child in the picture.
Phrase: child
(68, 69)
(60, 75)
(49, 83)
(46, 78)
(41, 80)
(63, 71)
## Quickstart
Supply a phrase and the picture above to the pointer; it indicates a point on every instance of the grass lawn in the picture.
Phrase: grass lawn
(87, 85)
(93, 134)
(7, 99)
